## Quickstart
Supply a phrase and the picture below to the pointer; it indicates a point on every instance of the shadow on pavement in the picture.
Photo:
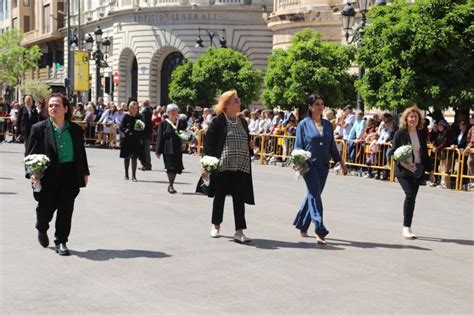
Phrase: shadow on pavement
(8, 193)
(446, 240)
(161, 182)
(368, 245)
(272, 244)
(109, 254)
(7, 178)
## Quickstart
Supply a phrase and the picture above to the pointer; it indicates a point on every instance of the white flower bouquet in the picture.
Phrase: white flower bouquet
(185, 135)
(139, 125)
(36, 164)
(299, 158)
(209, 164)
(404, 154)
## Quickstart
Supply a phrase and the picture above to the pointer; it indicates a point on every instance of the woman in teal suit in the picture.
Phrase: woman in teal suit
(315, 134)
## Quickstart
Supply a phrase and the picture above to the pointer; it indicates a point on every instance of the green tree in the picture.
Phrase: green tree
(15, 59)
(309, 65)
(420, 53)
(214, 72)
(38, 89)
(181, 88)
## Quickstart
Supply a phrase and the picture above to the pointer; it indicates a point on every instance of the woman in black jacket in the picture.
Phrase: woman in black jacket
(228, 140)
(131, 142)
(170, 145)
(410, 175)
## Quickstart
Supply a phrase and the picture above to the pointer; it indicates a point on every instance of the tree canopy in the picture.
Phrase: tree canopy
(418, 53)
(15, 59)
(213, 73)
(38, 89)
(309, 65)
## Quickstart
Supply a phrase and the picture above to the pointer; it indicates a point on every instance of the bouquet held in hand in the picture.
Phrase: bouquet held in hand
(299, 158)
(404, 154)
(209, 164)
(36, 164)
(139, 125)
(185, 135)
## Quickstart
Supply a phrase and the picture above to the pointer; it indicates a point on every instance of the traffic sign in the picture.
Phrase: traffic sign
(116, 78)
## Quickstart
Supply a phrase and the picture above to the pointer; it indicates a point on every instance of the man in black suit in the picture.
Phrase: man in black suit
(28, 117)
(62, 141)
(146, 114)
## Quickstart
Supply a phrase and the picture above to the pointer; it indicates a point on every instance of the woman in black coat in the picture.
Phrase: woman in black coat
(228, 140)
(170, 145)
(410, 175)
(131, 143)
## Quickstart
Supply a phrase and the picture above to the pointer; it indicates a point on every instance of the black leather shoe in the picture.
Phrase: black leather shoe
(43, 239)
(171, 190)
(62, 250)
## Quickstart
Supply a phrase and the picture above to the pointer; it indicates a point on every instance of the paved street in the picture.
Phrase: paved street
(137, 249)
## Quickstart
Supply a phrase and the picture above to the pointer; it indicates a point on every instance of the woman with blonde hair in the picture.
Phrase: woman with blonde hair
(228, 140)
(410, 175)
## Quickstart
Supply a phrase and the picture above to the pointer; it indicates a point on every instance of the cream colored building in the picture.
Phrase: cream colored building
(150, 38)
(290, 16)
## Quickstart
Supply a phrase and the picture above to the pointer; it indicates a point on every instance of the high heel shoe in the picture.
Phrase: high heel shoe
(171, 190)
(320, 240)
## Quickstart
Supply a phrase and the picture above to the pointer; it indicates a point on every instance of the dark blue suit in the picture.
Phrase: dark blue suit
(322, 148)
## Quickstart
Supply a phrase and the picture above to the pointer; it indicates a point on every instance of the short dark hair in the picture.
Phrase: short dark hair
(65, 102)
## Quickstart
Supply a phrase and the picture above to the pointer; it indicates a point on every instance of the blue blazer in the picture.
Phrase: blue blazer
(322, 147)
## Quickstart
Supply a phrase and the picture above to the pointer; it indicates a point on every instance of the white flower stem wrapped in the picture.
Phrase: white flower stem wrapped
(299, 158)
(36, 164)
(209, 164)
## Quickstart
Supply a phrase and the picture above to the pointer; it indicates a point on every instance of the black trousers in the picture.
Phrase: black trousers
(146, 159)
(231, 187)
(410, 186)
(58, 197)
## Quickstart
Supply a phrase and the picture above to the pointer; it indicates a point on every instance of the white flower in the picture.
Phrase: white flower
(185, 136)
(299, 157)
(139, 125)
(209, 163)
(36, 163)
(404, 154)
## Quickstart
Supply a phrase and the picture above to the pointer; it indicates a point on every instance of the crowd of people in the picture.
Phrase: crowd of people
(374, 134)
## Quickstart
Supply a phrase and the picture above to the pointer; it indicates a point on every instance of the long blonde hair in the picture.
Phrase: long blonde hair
(224, 100)
(409, 110)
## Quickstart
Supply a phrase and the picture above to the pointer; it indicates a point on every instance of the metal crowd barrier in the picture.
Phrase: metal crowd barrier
(450, 163)
(446, 164)
(465, 173)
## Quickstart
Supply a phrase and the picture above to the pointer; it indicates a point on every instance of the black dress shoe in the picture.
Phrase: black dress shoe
(62, 250)
(43, 239)
(171, 190)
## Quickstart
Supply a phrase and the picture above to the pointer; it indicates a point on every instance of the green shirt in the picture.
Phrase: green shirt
(63, 141)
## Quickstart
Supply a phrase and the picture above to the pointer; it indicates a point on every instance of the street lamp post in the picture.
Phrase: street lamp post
(98, 55)
(219, 33)
(348, 18)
